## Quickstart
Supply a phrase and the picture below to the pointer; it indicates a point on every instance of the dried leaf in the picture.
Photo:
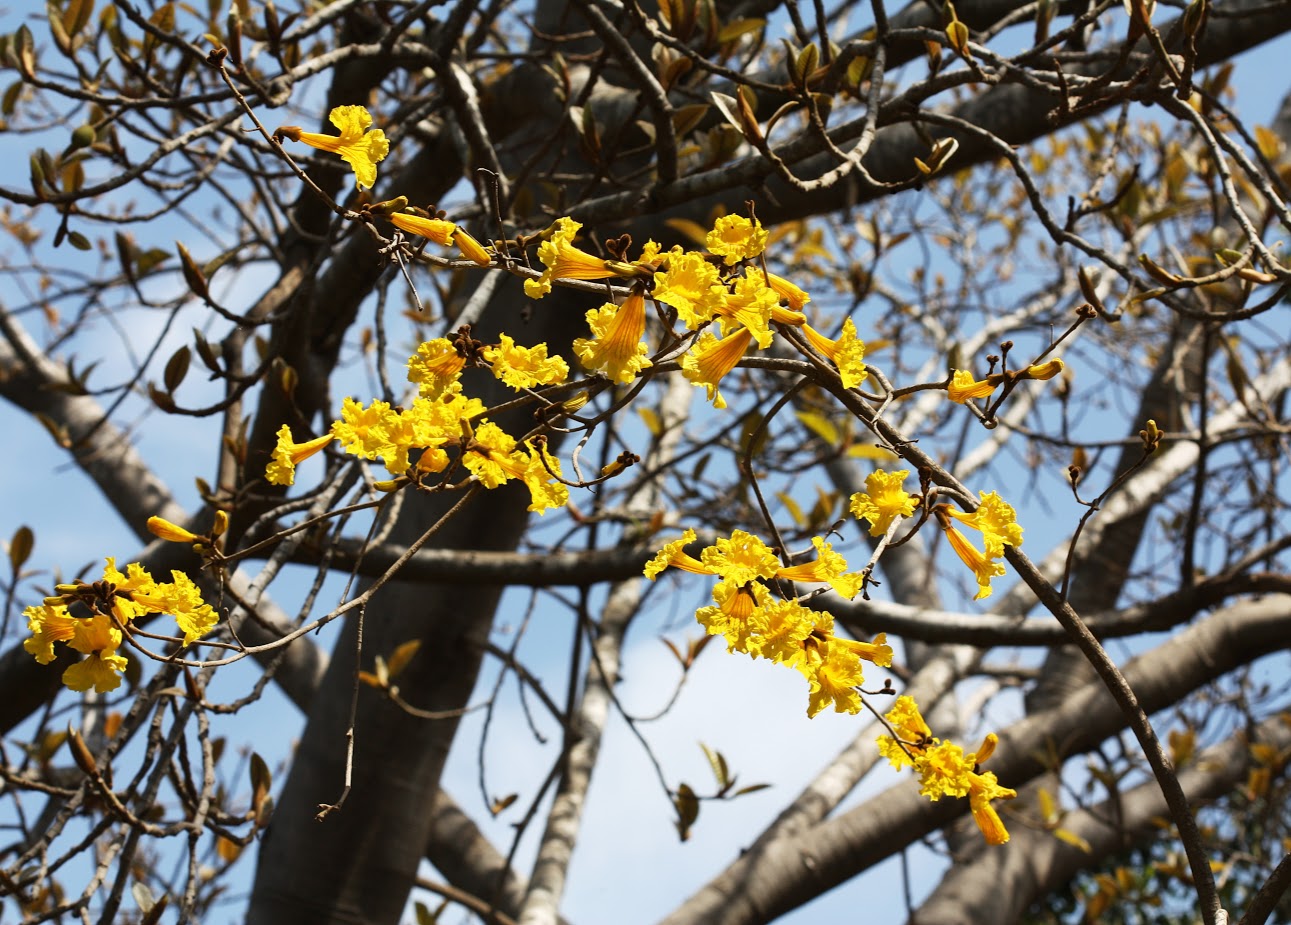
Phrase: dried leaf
(20, 547)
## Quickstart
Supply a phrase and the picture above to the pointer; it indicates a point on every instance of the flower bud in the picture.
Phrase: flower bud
(171, 533)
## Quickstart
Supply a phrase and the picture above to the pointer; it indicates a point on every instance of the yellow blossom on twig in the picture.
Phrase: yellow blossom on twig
(616, 347)
(735, 238)
(883, 500)
(358, 147)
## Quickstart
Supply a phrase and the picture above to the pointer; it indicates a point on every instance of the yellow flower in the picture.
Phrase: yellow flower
(443, 233)
(912, 734)
(735, 238)
(963, 387)
(673, 555)
(287, 456)
(565, 261)
(836, 676)
(983, 788)
(136, 580)
(983, 567)
(690, 285)
(48, 623)
(435, 368)
(787, 291)
(434, 423)
(357, 146)
(524, 367)
(181, 599)
(741, 559)
(750, 305)
(375, 431)
(172, 533)
(545, 492)
(878, 651)
(907, 722)
(711, 359)
(616, 346)
(828, 567)
(997, 521)
(847, 352)
(883, 500)
(99, 639)
(492, 456)
(1044, 371)
(780, 629)
(944, 770)
(733, 615)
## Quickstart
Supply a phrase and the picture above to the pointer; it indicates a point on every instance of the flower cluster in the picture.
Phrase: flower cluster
(112, 605)
(755, 620)
(944, 769)
(731, 303)
(443, 419)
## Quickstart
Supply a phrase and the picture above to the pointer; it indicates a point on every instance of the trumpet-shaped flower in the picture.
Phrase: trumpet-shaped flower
(733, 615)
(372, 432)
(741, 559)
(525, 367)
(358, 147)
(674, 555)
(97, 638)
(616, 347)
(181, 599)
(492, 456)
(982, 789)
(711, 359)
(963, 387)
(134, 581)
(443, 233)
(911, 733)
(883, 500)
(780, 629)
(735, 238)
(287, 455)
(878, 651)
(565, 261)
(944, 770)
(48, 624)
(163, 529)
(750, 305)
(828, 567)
(847, 352)
(983, 567)
(431, 424)
(836, 675)
(545, 492)
(690, 285)
(436, 368)
(788, 292)
(997, 521)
